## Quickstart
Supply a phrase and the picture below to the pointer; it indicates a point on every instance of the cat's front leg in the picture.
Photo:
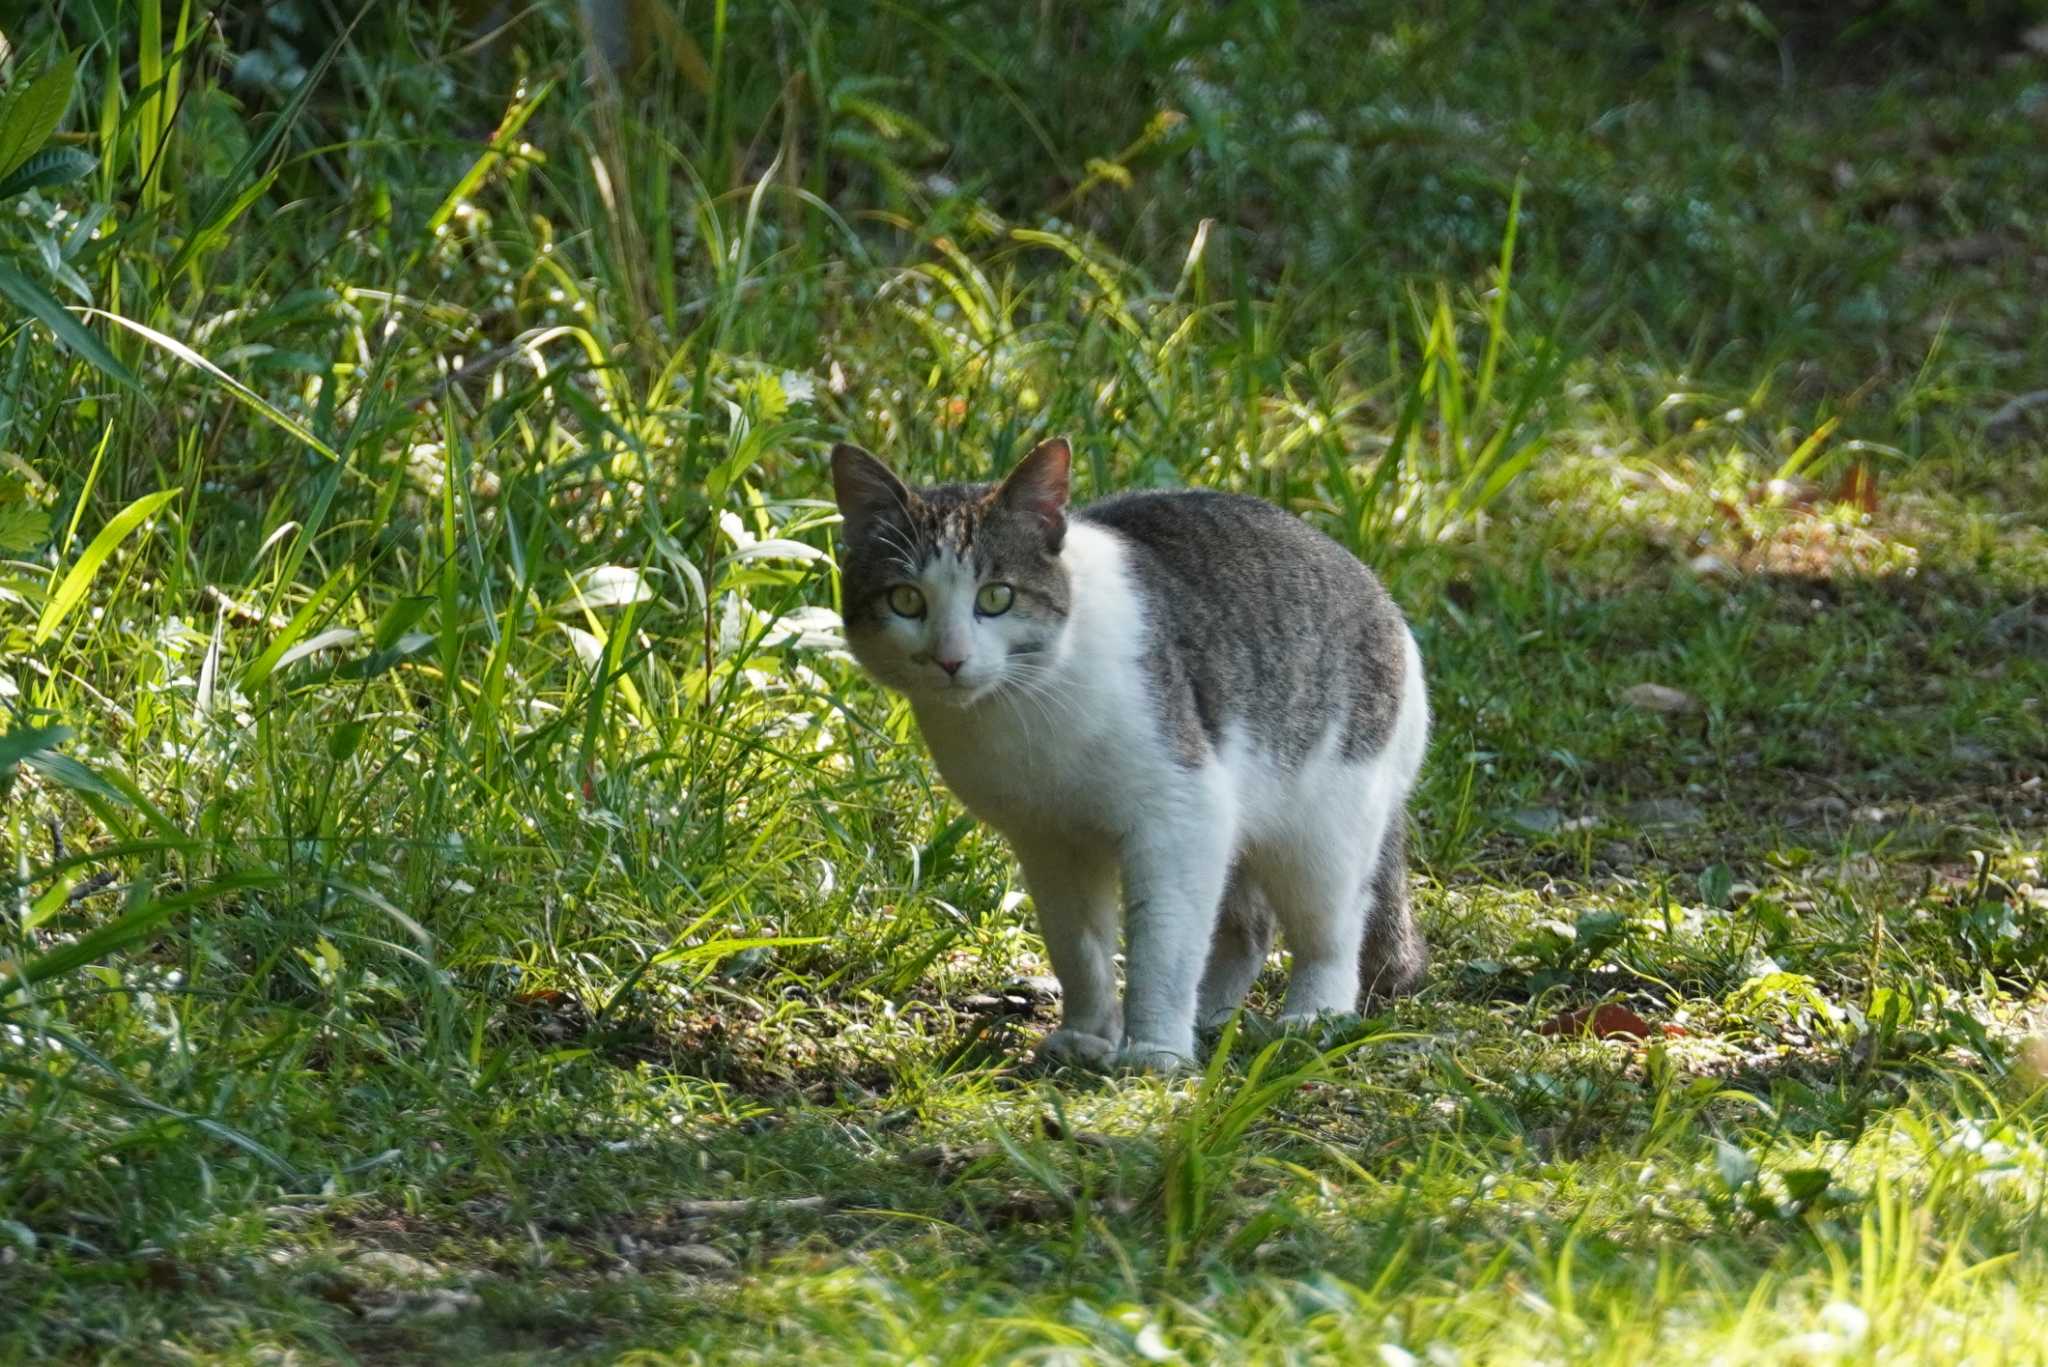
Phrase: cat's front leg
(1074, 890)
(1173, 888)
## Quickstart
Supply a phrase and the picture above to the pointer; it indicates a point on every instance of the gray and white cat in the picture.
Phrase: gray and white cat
(1191, 693)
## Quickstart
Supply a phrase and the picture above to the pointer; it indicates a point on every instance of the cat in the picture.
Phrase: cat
(1192, 693)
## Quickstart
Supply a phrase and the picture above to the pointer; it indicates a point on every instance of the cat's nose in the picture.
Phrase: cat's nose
(951, 666)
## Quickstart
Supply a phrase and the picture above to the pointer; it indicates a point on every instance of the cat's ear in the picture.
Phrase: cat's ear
(1038, 486)
(866, 488)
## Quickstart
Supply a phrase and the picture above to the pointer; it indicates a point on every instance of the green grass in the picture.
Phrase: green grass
(445, 846)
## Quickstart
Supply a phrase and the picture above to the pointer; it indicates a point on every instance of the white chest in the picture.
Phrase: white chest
(1032, 774)
(1078, 750)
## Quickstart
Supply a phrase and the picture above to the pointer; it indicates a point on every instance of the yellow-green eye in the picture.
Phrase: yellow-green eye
(994, 599)
(906, 601)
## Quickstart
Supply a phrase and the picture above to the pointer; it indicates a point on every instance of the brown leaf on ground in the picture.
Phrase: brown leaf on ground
(1606, 1021)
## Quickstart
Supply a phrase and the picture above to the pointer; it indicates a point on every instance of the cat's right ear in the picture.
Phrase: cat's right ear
(1039, 486)
(866, 489)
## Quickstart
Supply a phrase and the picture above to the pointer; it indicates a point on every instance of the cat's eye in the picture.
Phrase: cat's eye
(906, 601)
(994, 599)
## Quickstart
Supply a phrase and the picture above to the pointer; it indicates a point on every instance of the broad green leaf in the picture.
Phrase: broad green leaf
(329, 639)
(381, 661)
(27, 742)
(81, 576)
(344, 740)
(399, 618)
(1804, 1184)
(51, 166)
(41, 305)
(100, 789)
(24, 523)
(34, 115)
(1737, 1166)
(610, 586)
(54, 899)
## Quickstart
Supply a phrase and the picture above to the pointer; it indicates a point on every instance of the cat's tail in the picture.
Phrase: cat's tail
(1393, 955)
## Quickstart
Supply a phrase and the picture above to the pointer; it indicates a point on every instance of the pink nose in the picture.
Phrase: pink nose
(951, 666)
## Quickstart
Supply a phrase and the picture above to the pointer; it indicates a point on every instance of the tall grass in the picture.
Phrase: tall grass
(420, 676)
(452, 619)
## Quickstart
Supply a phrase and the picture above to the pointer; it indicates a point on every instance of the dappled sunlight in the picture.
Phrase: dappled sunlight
(461, 899)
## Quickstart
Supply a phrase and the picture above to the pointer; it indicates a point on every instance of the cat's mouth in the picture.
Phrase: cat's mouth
(962, 693)
(959, 692)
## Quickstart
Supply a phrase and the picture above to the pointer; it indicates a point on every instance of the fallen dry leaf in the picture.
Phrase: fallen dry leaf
(1606, 1021)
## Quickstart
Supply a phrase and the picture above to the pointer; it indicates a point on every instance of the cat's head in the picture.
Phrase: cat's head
(952, 593)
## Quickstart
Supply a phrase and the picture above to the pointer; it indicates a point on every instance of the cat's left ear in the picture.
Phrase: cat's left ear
(1039, 485)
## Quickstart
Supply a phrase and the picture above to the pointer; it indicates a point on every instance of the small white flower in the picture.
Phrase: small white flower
(1845, 1321)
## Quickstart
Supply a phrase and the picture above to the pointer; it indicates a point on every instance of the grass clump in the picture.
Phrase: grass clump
(461, 900)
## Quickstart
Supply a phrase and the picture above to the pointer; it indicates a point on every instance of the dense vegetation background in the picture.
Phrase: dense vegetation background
(459, 899)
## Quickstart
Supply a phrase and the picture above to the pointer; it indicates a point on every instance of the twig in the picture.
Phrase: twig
(99, 882)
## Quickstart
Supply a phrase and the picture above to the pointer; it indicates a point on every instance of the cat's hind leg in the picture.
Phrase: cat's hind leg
(1322, 918)
(1394, 956)
(1243, 938)
(1316, 876)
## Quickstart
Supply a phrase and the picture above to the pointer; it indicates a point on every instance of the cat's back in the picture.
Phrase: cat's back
(1258, 621)
(1206, 533)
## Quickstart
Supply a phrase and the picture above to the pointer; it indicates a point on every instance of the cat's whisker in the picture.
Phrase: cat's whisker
(1059, 703)
(906, 556)
(1046, 701)
(1034, 683)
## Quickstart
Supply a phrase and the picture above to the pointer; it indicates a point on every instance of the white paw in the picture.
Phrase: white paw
(1141, 1056)
(1078, 1046)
